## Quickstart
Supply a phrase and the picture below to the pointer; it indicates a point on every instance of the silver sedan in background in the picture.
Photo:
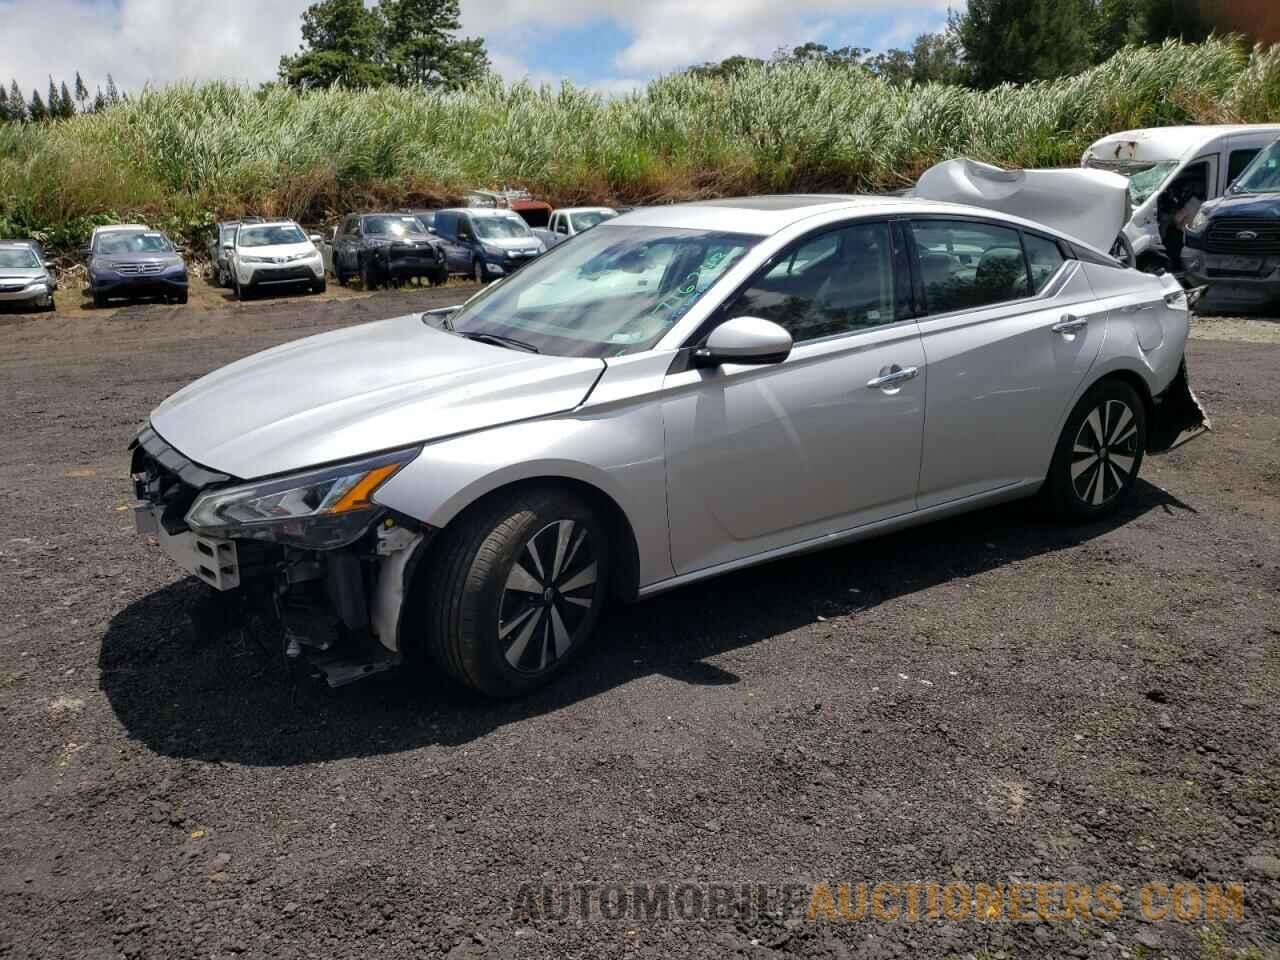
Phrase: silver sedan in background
(680, 392)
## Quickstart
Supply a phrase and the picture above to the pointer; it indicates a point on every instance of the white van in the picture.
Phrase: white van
(1171, 171)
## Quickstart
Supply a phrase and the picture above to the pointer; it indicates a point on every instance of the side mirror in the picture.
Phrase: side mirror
(228, 247)
(86, 252)
(315, 238)
(744, 340)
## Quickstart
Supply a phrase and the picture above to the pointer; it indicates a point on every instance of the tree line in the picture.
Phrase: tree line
(58, 102)
(415, 42)
(1007, 41)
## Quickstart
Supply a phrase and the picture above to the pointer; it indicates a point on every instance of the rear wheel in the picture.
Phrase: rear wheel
(368, 277)
(515, 591)
(1099, 452)
(99, 300)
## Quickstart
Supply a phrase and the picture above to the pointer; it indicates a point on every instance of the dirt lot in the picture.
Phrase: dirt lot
(995, 699)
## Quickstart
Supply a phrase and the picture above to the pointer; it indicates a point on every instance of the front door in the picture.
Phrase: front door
(763, 457)
(1010, 333)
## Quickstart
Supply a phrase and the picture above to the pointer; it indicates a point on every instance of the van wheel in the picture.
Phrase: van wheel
(515, 591)
(1099, 453)
(478, 272)
(367, 276)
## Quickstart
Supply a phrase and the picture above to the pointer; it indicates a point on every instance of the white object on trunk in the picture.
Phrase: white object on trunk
(1091, 205)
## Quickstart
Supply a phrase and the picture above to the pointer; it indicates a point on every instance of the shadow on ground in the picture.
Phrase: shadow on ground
(234, 700)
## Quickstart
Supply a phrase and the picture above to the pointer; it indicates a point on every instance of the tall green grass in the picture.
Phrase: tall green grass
(178, 156)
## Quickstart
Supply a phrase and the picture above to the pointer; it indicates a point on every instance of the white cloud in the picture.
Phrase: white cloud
(141, 41)
(672, 34)
(160, 41)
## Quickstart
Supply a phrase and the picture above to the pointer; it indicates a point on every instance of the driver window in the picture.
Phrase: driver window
(562, 224)
(838, 282)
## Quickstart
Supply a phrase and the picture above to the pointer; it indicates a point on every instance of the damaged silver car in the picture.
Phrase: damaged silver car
(679, 392)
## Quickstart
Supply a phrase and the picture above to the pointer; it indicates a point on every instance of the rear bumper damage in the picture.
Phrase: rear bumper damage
(1178, 415)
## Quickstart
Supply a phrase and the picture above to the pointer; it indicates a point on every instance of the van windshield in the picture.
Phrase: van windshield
(500, 228)
(1145, 176)
(1262, 175)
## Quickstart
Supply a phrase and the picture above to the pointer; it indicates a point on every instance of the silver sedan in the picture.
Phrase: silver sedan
(677, 393)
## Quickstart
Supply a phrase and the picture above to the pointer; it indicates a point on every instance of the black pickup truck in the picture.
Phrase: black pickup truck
(385, 248)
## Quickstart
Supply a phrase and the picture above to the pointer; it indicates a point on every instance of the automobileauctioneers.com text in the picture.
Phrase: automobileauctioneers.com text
(884, 901)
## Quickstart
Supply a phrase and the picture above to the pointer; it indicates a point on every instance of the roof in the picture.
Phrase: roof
(583, 209)
(121, 226)
(482, 211)
(1169, 143)
(18, 243)
(761, 215)
(765, 216)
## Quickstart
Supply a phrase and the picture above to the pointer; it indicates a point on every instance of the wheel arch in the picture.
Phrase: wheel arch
(624, 548)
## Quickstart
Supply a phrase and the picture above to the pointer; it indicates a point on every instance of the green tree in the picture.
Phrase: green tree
(66, 106)
(342, 44)
(1120, 22)
(1021, 40)
(82, 92)
(933, 58)
(4, 105)
(17, 103)
(53, 103)
(35, 109)
(99, 101)
(725, 68)
(421, 46)
(113, 94)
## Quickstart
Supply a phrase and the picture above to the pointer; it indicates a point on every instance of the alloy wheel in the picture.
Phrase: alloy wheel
(548, 594)
(1105, 453)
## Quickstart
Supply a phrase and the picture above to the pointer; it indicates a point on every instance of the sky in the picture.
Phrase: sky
(609, 45)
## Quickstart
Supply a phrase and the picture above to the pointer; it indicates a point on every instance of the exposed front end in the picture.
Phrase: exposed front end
(311, 550)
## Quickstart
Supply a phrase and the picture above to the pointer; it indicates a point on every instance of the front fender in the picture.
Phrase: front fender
(618, 451)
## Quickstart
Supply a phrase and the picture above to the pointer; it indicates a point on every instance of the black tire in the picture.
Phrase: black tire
(319, 286)
(51, 305)
(479, 616)
(338, 275)
(478, 272)
(99, 300)
(368, 279)
(1099, 453)
(242, 293)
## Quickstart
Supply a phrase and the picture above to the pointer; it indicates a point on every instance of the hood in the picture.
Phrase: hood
(140, 256)
(1252, 205)
(21, 273)
(360, 390)
(513, 243)
(278, 250)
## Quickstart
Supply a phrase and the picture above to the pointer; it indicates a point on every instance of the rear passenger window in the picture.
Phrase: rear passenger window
(1045, 257)
(838, 282)
(966, 265)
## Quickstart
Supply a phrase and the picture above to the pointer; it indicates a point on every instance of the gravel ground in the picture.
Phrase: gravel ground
(993, 699)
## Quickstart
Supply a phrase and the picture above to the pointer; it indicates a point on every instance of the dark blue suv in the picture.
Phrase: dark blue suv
(135, 262)
(485, 243)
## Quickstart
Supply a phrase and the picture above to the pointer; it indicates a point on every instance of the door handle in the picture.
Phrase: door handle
(893, 377)
(1070, 324)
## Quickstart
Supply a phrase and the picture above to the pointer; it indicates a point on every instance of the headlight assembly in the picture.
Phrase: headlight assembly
(1199, 221)
(319, 510)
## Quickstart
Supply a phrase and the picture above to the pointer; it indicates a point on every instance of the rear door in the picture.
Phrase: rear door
(1009, 331)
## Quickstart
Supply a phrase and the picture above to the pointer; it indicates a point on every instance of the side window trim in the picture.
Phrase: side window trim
(718, 317)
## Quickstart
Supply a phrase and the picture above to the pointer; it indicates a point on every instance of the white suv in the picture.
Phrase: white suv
(274, 254)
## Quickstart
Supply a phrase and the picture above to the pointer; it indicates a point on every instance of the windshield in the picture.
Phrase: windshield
(393, 225)
(587, 220)
(501, 228)
(18, 258)
(1262, 175)
(277, 234)
(117, 243)
(1145, 177)
(615, 290)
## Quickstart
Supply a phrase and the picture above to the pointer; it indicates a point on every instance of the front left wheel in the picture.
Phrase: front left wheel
(515, 591)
